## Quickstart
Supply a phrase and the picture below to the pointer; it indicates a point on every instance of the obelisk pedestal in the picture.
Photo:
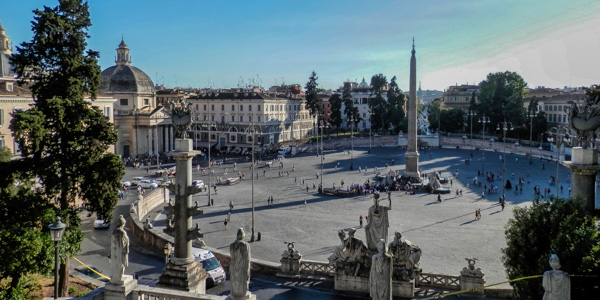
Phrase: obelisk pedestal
(584, 168)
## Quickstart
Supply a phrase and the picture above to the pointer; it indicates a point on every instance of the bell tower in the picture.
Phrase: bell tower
(5, 47)
(123, 54)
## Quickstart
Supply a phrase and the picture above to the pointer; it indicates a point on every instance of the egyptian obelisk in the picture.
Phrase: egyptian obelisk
(412, 154)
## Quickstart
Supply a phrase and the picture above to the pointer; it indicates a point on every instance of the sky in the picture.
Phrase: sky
(226, 44)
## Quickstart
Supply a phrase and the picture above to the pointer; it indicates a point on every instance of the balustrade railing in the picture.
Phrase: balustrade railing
(441, 281)
(316, 268)
(143, 292)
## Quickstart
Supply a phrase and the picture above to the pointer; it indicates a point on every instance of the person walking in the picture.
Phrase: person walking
(225, 222)
(230, 206)
(503, 204)
(439, 198)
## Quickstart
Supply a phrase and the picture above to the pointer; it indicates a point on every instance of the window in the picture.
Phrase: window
(204, 106)
(258, 118)
(204, 117)
(249, 107)
(212, 107)
(241, 107)
(259, 107)
(241, 118)
(249, 118)
(197, 107)
(146, 101)
(1, 117)
(232, 137)
(223, 119)
(212, 118)
(222, 107)
(9, 86)
(106, 112)
(232, 118)
(232, 107)
(123, 102)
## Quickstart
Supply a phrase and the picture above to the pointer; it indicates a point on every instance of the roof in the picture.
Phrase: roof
(125, 79)
(237, 95)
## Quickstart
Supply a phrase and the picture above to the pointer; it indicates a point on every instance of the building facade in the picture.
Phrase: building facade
(459, 96)
(230, 119)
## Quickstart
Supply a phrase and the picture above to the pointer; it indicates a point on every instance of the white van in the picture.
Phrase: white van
(212, 266)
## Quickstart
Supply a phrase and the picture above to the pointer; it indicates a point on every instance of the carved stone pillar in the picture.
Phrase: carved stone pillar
(584, 168)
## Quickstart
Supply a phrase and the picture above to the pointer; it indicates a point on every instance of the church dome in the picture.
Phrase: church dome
(125, 79)
(363, 84)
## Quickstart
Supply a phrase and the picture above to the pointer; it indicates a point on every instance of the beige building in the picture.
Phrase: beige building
(233, 117)
(144, 126)
(459, 96)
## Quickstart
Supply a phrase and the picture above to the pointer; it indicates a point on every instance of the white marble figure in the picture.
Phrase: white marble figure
(556, 283)
(240, 266)
(470, 269)
(405, 253)
(377, 228)
(119, 252)
(380, 277)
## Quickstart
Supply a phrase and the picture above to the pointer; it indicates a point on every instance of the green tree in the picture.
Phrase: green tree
(558, 226)
(64, 138)
(539, 122)
(378, 106)
(312, 97)
(350, 110)
(434, 111)
(452, 119)
(501, 98)
(335, 119)
(5, 154)
(396, 100)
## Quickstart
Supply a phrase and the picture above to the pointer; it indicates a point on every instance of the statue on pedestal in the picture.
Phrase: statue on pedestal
(119, 252)
(556, 283)
(240, 267)
(377, 228)
(352, 253)
(380, 277)
(406, 257)
(470, 269)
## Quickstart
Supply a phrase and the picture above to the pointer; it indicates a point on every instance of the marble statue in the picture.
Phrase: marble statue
(470, 269)
(290, 252)
(119, 252)
(240, 266)
(380, 277)
(556, 283)
(181, 116)
(405, 253)
(377, 228)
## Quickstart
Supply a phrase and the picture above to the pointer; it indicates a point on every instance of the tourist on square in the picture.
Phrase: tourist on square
(230, 206)
(225, 222)
(439, 198)
(360, 221)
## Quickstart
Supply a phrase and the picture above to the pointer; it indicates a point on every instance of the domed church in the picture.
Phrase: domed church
(144, 127)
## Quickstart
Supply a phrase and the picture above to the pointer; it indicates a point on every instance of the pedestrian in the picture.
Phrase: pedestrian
(503, 203)
(295, 180)
(561, 188)
(230, 206)
(215, 189)
(439, 199)
(307, 188)
(450, 183)
(483, 194)
(304, 202)
(271, 200)
(461, 192)
(225, 222)
(360, 219)
(229, 216)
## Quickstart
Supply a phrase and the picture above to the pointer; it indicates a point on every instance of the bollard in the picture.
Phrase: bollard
(258, 237)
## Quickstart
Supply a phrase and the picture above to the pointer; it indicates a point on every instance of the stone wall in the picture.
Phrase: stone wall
(151, 200)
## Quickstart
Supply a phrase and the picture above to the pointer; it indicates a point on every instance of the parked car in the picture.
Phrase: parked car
(147, 184)
(101, 224)
(125, 183)
(136, 180)
(87, 272)
(198, 183)
(159, 181)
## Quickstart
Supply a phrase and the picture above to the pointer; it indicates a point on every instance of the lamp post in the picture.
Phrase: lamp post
(322, 127)
(167, 251)
(370, 132)
(558, 137)
(253, 131)
(471, 114)
(351, 120)
(210, 124)
(504, 126)
(56, 232)
(530, 115)
(483, 120)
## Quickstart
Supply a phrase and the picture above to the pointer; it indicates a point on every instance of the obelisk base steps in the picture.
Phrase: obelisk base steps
(412, 164)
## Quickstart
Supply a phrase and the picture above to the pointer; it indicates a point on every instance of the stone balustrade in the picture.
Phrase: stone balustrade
(316, 268)
(447, 282)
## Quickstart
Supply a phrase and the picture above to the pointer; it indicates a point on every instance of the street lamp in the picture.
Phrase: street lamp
(370, 132)
(253, 131)
(504, 126)
(167, 251)
(210, 125)
(56, 232)
(471, 114)
(352, 120)
(483, 120)
(530, 115)
(322, 127)
(559, 139)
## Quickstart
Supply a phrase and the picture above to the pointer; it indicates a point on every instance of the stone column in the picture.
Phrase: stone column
(155, 143)
(171, 139)
(183, 272)
(584, 168)
(412, 154)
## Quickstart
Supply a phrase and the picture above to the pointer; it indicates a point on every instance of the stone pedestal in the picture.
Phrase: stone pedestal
(405, 289)
(120, 291)
(189, 277)
(290, 265)
(584, 168)
(249, 296)
(412, 164)
(471, 282)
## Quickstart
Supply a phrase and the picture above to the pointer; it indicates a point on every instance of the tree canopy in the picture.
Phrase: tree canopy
(557, 226)
(396, 99)
(350, 110)
(64, 139)
(335, 119)
(501, 98)
(312, 95)
(378, 106)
